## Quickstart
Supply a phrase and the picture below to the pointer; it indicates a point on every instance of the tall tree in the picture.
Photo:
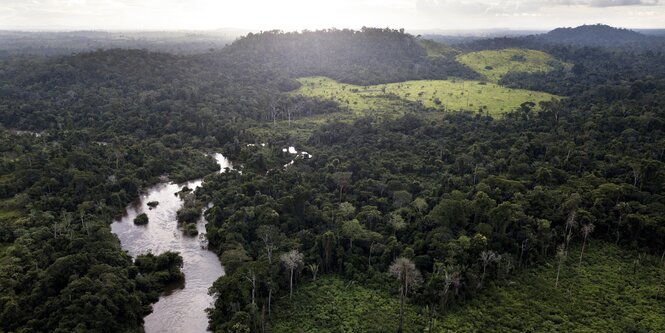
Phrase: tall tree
(587, 229)
(486, 258)
(271, 237)
(292, 260)
(409, 277)
(561, 255)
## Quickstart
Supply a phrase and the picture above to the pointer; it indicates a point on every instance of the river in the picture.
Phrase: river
(181, 310)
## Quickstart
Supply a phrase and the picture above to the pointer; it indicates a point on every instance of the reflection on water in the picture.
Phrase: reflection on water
(182, 310)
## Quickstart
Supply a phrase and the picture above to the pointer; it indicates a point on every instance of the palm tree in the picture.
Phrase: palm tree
(314, 268)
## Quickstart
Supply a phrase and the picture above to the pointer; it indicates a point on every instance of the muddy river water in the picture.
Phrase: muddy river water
(183, 309)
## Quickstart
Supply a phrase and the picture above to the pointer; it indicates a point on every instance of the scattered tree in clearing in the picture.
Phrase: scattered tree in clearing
(292, 260)
(408, 276)
(571, 223)
(561, 255)
(587, 229)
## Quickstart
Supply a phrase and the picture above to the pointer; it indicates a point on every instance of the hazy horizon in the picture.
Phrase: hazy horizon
(295, 15)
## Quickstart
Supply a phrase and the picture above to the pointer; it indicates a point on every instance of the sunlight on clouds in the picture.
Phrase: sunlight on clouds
(314, 14)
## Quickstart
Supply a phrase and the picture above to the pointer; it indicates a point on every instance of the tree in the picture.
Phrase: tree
(292, 260)
(486, 258)
(141, 219)
(561, 255)
(587, 229)
(346, 210)
(396, 222)
(271, 238)
(420, 205)
(251, 277)
(342, 179)
(401, 198)
(571, 223)
(351, 230)
(328, 242)
(314, 268)
(409, 277)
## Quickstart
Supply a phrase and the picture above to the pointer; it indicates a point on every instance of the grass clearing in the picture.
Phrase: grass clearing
(332, 305)
(393, 98)
(610, 293)
(494, 64)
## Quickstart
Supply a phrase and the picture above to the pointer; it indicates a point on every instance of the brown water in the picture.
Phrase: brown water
(181, 310)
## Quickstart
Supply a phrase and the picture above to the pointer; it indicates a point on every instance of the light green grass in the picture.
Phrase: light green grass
(494, 64)
(452, 94)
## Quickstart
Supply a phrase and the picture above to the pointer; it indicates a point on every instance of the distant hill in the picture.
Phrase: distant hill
(53, 43)
(364, 57)
(595, 35)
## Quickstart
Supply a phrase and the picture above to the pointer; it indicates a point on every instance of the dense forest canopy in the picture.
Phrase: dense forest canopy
(364, 57)
(429, 206)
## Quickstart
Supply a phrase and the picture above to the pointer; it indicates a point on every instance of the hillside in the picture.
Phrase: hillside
(494, 64)
(368, 56)
(595, 35)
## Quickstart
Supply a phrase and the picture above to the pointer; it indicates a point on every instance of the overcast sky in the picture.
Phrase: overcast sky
(313, 14)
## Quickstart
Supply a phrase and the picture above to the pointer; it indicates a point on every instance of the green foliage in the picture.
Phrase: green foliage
(364, 57)
(608, 293)
(158, 272)
(331, 304)
(503, 190)
(467, 198)
(141, 219)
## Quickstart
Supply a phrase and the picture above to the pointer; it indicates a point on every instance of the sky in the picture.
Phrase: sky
(316, 14)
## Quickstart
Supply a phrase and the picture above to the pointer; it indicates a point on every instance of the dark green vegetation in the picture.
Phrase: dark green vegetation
(614, 290)
(62, 269)
(460, 197)
(141, 219)
(369, 56)
(431, 212)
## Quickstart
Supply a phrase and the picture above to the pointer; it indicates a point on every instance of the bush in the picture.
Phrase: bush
(141, 219)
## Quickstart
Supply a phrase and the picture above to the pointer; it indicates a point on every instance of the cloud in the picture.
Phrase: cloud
(619, 3)
(606, 3)
(300, 14)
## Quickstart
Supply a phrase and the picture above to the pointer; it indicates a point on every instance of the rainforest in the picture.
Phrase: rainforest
(334, 180)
